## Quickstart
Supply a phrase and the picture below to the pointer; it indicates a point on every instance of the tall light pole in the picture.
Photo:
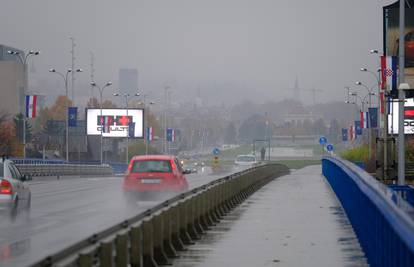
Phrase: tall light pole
(127, 98)
(363, 102)
(65, 80)
(101, 120)
(146, 125)
(166, 88)
(401, 97)
(23, 60)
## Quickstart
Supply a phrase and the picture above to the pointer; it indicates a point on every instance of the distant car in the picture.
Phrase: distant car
(152, 174)
(409, 49)
(15, 193)
(246, 160)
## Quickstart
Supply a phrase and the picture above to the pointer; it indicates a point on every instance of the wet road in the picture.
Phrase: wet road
(68, 210)
(295, 220)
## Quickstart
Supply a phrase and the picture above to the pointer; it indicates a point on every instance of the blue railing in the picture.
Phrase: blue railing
(381, 218)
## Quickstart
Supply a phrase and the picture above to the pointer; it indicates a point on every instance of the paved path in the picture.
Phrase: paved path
(295, 220)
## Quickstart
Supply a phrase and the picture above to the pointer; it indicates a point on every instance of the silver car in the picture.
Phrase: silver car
(246, 160)
(15, 193)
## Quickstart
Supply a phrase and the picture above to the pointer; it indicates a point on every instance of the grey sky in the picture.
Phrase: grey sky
(252, 48)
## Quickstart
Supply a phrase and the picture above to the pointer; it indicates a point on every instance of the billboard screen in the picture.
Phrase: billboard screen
(391, 38)
(409, 117)
(117, 120)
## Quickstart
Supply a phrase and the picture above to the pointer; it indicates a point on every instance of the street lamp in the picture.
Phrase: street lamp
(146, 120)
(65, 80)
(127, 98)
(93, 84)
(166, 88)
(364, 101)
(23, 60)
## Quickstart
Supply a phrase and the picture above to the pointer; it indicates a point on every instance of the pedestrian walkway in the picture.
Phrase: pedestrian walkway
(295, 220)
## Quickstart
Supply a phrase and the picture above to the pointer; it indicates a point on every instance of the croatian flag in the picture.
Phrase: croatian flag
(389, 72)
(351, 133)
(364, 116)
(149, 133)
(31, 101)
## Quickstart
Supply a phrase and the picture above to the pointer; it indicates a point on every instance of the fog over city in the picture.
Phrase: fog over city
(229, 50)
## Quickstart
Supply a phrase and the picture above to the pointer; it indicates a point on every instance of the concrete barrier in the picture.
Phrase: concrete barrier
(153, 238)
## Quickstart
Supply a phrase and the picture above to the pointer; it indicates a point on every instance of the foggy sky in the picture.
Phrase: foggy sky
(231, 49)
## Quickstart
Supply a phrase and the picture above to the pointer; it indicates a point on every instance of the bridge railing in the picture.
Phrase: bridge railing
(153, 237)
(381, 218)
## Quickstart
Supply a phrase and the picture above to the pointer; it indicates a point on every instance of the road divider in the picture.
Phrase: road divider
(154, 237)
(65, 170)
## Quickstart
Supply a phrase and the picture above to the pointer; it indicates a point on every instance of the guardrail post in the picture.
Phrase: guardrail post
(105, 253)
(159, 253)
(168, 224)
(148, 243)
(86, 257)
(175, 228)
(196, 211)
(189, 204)
(136, 246)
(185, 236)
(121, 243)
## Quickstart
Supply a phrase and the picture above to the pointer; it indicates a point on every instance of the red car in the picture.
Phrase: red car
(151, 174)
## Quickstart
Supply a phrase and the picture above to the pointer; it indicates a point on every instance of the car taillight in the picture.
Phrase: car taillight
(5, 187)
(173, 167)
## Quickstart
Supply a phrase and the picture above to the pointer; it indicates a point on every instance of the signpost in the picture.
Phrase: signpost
(322, 141)
(329, 148)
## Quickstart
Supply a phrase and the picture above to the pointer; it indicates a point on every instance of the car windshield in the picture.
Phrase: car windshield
(246, 158)
(151, 166)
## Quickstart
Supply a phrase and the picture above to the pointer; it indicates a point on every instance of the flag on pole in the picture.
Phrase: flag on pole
(364, 120)
(131, 129)
(358, 129)
(149, 134)
(170, 135)
(106, 125)
(72, 115)
(31, 103)
(382, 102)
(351, 133)
(344, 134)
(373, 117)
(389, 72)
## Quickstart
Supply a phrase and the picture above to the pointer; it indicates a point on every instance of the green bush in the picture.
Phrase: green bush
(356, 154)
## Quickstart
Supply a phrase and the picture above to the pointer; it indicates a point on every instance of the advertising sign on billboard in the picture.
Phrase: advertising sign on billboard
(391, 37)
(409, 117)
(116, 122)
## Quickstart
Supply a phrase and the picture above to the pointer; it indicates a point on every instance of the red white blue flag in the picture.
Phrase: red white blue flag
(31, 103)
(389, 72)
(364, 117)
(351, 133)
(149, 133)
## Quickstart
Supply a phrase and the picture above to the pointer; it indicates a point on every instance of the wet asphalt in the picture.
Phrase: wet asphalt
(68, 210)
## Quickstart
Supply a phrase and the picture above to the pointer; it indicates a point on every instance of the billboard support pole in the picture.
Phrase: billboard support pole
(401, 96)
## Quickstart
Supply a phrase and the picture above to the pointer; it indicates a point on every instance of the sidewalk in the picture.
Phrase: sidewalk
(295, 220)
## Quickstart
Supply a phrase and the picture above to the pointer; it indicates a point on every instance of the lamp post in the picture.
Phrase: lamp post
(101, 89)
(166, 88)
(146, 120)
(127, 98)
(65, 80)
(363, 102)
(23, 60)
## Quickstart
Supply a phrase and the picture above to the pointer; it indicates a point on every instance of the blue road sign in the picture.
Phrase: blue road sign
(323, 140)
(329, 147)
(216, 151)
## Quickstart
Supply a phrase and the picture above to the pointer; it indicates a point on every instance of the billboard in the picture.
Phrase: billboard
(115, 122)
(409, 117)
(391, 37)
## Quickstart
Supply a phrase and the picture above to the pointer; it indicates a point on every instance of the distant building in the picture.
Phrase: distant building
(11, 82)
(128, 81)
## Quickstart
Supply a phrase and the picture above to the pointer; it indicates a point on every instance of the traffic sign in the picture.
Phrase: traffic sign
(216, 151)
(323, 140)
(330, 147)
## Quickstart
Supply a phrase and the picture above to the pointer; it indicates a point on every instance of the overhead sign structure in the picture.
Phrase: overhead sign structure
(409, 117)
(116, 122)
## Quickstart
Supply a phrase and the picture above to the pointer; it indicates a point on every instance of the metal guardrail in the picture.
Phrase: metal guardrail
(381, 218)
(64, 169)
(153, 237)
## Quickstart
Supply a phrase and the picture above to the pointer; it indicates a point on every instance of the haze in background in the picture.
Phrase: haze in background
(229, 50)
